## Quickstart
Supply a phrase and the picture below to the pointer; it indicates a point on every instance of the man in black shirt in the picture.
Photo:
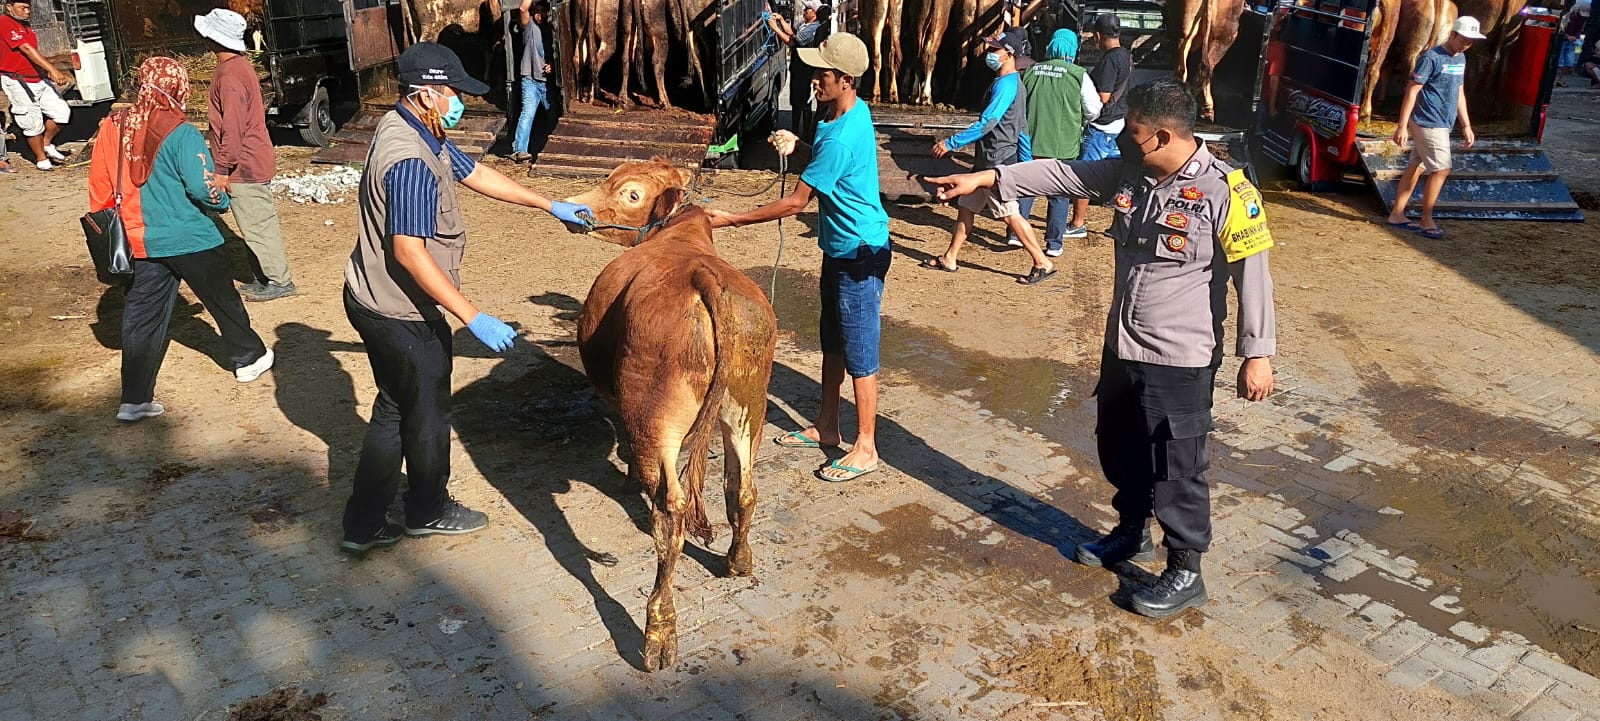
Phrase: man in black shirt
(1112, 77)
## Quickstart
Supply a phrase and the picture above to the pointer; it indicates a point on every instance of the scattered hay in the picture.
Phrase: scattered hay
(284, 703)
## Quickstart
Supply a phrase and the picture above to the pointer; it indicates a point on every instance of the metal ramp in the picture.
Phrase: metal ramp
(1496, 179)
(905, 148)
(591, 141)
(473, 135)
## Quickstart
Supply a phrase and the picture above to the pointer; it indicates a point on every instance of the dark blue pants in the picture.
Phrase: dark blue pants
(1151, 435)
(411, 362)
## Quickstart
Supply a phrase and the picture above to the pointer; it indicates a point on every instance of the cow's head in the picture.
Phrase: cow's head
(635, 195)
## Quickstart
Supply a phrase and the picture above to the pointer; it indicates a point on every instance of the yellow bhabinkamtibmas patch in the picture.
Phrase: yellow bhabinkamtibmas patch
(1245, 233)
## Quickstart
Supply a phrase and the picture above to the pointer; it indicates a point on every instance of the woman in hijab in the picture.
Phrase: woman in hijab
(160, 167)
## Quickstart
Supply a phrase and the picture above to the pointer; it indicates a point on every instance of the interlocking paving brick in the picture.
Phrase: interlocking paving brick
(1414, 672)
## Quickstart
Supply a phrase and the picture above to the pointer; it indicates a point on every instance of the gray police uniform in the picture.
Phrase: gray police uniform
(1178, 241)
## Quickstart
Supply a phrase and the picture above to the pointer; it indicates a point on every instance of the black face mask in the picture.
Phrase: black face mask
(1130, 149)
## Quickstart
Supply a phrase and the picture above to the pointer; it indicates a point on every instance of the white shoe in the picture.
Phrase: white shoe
(1014, 242)
(1054, 252)
(44, 165)
(54, 154)
(254, 370)
(139, 411)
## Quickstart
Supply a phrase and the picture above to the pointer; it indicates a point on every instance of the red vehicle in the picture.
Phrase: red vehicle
(1312, 68)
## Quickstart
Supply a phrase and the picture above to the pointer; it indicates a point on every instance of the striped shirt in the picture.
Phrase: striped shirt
(413, 189)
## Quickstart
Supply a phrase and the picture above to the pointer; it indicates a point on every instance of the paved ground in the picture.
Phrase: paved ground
(1406, 529)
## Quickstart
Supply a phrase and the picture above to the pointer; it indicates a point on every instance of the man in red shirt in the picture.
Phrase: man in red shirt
(35, 104)
(245, 158)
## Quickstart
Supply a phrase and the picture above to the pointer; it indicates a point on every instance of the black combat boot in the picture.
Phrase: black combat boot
(1179, 587)
(1126, 541)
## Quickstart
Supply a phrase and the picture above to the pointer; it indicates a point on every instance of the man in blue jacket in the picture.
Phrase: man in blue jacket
(1001, 137)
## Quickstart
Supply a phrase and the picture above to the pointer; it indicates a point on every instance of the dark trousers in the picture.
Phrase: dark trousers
(1151, 435)
(411, 362)
(147, 314)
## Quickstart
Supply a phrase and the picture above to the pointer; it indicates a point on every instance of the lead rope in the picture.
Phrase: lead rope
(772, 289)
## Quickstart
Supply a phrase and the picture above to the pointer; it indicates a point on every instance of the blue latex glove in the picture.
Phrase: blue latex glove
(494, 333)
(570, 212)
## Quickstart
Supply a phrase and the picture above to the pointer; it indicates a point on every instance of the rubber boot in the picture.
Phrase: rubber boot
(1178, 588)
(1126, 541)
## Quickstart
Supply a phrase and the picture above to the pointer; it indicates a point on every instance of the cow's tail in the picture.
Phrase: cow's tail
(709, 286)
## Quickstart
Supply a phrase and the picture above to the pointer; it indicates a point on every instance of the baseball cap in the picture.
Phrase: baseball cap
(841, 51)
(435, 64)
(1467, 27)
(1014, 40)
(223, 27)
(1106, 23)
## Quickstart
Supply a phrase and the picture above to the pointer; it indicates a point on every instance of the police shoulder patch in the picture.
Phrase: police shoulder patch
(1245, 233)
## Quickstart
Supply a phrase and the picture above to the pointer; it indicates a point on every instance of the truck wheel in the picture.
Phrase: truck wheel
(320, 127)
(1302, 166)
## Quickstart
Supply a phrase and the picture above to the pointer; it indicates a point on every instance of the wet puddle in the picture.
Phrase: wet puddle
(1520, 564)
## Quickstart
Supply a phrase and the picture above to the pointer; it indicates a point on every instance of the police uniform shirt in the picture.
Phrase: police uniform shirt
(1177, 243)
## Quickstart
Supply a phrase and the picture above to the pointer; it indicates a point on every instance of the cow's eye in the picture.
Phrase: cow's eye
(633, 196)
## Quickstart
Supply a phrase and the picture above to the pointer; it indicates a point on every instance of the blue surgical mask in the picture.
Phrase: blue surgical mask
(452, 117)
(992, 60)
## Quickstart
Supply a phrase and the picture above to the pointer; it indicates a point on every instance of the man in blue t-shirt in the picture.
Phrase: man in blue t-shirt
(1434, 100)
(853, 231)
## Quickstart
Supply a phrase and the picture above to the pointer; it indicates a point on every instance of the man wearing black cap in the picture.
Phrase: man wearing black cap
(1112, 76)
(402, 276)
(1000, 133)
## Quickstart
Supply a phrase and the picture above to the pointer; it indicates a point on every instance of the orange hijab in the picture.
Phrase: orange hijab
(163, 86)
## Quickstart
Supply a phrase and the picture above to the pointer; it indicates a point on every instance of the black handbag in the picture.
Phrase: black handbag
(103, 231)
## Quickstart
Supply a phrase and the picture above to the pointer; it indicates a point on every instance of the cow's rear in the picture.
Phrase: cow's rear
(682, 343)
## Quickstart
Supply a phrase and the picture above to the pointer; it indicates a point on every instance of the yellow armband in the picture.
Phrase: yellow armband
(1245, 232)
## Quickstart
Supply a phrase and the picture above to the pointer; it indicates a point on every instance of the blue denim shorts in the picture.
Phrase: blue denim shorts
(852, 294)
(1099, 145)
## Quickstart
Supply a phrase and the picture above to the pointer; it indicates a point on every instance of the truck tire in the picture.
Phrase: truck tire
(1302, 166)
(319, 128)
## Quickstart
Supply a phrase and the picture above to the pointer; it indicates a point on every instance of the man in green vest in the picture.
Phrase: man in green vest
(1061, 102)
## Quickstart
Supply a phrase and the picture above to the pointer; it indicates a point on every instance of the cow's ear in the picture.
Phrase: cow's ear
(665, 203)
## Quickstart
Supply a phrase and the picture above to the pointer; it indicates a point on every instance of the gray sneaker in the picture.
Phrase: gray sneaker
(139, 411)
(1081, 231)
(253, 287)
(270, 291)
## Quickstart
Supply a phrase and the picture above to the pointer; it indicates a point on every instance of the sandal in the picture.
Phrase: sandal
(935, 264)
(6, 168)
(850, 473)
(1431, 233)
(1410, 225)
(796, 439)
(1037, 276)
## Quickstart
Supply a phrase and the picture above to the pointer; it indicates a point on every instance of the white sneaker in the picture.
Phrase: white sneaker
(44, 165)
(1054, 252)
(1014, 242)
(139, 411)
(54, 154)
(254, 370)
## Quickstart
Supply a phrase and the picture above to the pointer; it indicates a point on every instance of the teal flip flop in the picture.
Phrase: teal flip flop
(800, 440)
(852, 473)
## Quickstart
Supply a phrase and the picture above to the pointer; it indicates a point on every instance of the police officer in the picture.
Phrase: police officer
(404, 273)
(1185, 223)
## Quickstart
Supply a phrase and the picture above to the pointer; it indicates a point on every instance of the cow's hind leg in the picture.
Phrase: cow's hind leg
(741, 434)
(658, 472)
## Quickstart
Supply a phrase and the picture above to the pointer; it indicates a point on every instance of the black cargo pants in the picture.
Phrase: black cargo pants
(1151, 435)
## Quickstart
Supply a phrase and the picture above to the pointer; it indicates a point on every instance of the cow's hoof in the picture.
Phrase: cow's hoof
(740, 562)
(661, 653)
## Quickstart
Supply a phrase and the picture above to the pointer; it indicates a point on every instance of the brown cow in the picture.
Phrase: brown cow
(932, 18)
(882, 19)
(1405, 29)
(1205, 28)
(1501, 22)
(677, 339)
